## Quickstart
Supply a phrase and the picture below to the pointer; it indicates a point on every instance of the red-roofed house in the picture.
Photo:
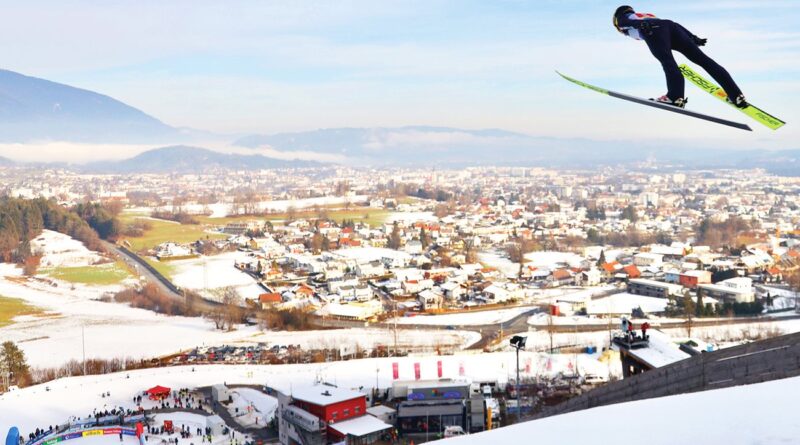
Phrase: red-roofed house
(611, 268)
(270, 299)
(562, 277)
(632, 271)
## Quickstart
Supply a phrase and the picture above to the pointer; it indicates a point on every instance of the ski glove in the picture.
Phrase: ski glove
(698, 41)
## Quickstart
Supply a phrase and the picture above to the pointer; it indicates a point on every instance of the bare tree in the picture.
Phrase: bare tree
(229, 312)
(793, 280)
(291, 214)
(470, 251)
(551, 327)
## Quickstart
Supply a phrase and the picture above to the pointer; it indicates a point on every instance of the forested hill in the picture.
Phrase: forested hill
(22, 220)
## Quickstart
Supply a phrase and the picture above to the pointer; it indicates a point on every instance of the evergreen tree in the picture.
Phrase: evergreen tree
(593, 236)
(12, 360)
(602, 259)
(629, 213)
(424, 238)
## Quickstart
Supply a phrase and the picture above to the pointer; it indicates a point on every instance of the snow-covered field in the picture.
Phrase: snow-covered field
(37, 406)
(625, 303)
(59, 250)
(180, 420)
(762, 413)
(542, 260)
(465, 318)
(410, 217)
(349, 339)
(209, 274)
(550, 260)
(737, 332)
(500, 262)
(110, 330)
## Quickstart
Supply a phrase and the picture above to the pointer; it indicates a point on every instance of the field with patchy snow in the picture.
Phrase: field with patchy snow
(110, 329)
(222, 209)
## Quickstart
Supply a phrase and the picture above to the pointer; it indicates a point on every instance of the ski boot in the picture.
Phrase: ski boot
(738, 102)
(679, 102)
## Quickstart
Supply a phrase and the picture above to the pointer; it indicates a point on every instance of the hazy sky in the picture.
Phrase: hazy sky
(263, 66)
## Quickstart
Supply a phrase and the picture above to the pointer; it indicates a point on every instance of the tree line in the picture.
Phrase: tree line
(22, 220)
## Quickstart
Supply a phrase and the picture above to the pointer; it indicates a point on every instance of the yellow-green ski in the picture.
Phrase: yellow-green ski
(754, 112)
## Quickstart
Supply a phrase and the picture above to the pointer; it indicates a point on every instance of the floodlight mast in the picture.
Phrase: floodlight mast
(518, 342)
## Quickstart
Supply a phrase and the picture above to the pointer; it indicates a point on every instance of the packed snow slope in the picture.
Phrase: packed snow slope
(55, 402)
(763, 413)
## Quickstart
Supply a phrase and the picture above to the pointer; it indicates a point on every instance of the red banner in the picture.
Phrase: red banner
(439, 368)
(395, 371)
(416, 371)
(461, 369)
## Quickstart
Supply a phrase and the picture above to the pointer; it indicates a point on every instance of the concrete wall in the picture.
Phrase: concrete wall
(756, 362)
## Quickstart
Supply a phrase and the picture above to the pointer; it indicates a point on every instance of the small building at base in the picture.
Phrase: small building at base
(323, 414)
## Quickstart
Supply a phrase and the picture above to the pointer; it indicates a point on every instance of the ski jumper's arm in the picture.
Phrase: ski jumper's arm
(634, 23)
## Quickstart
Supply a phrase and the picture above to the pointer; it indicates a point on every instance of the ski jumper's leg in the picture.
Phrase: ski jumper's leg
(660, 45)
(682, 42)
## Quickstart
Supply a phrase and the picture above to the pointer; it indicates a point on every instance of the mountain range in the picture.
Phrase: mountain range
(185, 160)
(453, 147)
(33, 109)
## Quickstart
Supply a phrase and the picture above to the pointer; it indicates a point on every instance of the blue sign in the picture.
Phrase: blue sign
(13, 436)
(452, 395)
(416, 396)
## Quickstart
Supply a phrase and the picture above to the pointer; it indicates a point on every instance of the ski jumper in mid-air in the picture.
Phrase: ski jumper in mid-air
(664, 36)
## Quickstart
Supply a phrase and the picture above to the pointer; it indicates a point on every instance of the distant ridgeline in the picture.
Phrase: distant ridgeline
(22, 220)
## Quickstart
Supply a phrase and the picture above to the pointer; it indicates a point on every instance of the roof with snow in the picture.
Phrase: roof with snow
(661, 351)
(324, 395)
(379, 410)
(360, 426)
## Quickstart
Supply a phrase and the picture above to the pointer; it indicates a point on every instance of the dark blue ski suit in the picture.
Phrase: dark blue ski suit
(664, 36)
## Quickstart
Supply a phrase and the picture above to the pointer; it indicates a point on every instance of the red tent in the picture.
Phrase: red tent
(158, 392)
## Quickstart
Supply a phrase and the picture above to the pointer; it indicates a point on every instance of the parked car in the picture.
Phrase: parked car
(453, 431)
